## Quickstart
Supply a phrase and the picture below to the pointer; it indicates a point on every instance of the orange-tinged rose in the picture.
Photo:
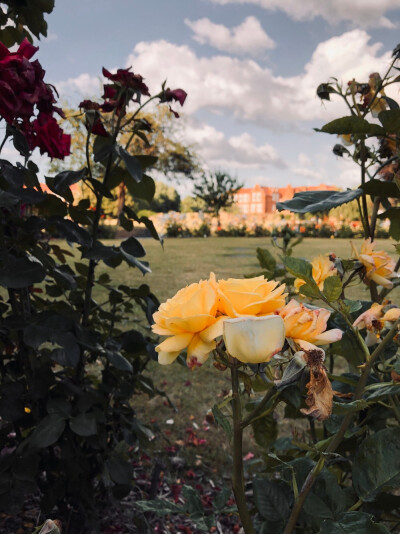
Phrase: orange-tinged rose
(379, 266)
(372, 320)
(307, 327)
(322, 268)
(391, 315)
(250, 296)
(189, 320)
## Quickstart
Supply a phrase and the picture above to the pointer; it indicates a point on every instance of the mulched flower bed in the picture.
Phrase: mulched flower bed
(152, 479)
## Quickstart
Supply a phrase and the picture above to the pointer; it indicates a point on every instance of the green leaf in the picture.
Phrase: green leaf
(318, 201)
(118, 361)
(381, 390)
(146, 161)
(332, 288)
(349, 348)
(271, 499)
(102, 148)
(48, 431)
(376, 463)
(61, 183)
(265, 430)
(132, 163)
(145, 189)
(351, 125)
(266, 259)
(299, 268)
(160, 507)
(390, 120)
(394, 215)
(7, 199)
(21, 272)
(353, 523)
(222, 421)
(120, 470)
(379, 188)
(83, 424)
(344, 408)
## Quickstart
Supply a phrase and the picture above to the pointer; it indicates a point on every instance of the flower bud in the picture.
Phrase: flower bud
(254, 339)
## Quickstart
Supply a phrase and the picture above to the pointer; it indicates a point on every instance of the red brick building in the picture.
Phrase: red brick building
(261, 200)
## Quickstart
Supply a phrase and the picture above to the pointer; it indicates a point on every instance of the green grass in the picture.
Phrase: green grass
(181, 262)
(184, 261)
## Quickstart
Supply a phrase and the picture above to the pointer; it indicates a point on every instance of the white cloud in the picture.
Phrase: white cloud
(306, 168)
(239, 152)
(83, 85)
(247, 38)
(361, 13)
(253, 93)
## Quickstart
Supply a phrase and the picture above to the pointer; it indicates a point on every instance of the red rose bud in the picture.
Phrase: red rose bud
(126, 78)
(176, 95)
(89, 104)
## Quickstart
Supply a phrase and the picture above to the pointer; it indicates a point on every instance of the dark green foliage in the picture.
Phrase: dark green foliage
(70, 365)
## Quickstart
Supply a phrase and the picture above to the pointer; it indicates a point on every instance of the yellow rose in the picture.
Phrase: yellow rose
(189, 319)
(250, 296)
(308, 327)
(379, 266)
(254, 339)
(322, 268)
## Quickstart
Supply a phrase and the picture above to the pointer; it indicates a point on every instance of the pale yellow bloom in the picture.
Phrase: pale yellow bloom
(189, 319)
(307, 327)
(379, 266)
(322, 268)
(254, 339)
(250, 296)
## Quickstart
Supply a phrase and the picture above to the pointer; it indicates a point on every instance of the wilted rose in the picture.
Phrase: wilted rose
(319, 388)
(254, 339)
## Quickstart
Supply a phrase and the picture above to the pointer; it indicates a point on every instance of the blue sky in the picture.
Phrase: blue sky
(250, 68)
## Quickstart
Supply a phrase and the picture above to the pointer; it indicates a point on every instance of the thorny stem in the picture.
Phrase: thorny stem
(334, 444)
(237, 472)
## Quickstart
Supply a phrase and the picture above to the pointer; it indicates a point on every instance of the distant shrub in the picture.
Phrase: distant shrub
(203, 230)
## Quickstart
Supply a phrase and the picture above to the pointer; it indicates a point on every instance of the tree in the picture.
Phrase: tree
(192, 204)
(217, 189)
(157, 139)
(166, 198)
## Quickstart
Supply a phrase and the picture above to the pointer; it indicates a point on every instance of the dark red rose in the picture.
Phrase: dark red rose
(49, 137)
(22, 85)
(109, 92)
(89, 104)
(126, 78)
(176, 95)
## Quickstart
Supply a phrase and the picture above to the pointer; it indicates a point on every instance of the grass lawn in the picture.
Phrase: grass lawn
(181, 262)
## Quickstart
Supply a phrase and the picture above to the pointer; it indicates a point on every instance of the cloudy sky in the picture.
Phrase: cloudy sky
(250, 68)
